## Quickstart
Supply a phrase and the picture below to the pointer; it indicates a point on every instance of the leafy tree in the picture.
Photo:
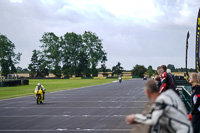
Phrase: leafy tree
(191, 70)
(171, 67)
(8, 58)
(103, 65)
(150, 71)
(117, 69)
(139, 70)
(52, 51)
(94, 49)
(38, 65)
(19, 69)
(83, 67)
(73, 54)
(25, 70)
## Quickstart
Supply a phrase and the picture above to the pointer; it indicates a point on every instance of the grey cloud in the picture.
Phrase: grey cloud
(128, 40)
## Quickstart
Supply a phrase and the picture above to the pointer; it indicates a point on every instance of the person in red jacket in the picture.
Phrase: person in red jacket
(167, 81)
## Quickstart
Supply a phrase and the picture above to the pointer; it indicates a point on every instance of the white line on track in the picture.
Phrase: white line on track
(92, 97)
(42, 107)
(70, 116)
(64, 129)
(79, 102)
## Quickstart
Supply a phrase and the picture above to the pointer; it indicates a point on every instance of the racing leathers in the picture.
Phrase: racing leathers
(42, 88)
(169, 111)
(167, 82)
(195, 111)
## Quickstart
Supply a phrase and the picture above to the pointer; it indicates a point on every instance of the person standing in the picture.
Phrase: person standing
(174, 80)
(166, 79)
(173, 77)
(158, 81)
(195, 101)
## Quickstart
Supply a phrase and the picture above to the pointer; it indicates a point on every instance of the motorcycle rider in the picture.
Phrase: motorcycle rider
(120, 79)
(39, 86)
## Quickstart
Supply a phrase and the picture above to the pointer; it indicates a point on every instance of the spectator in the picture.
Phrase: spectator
(158, 81)
(167, 110)
(164, 67)
(173, 77)
(195, 101)
(166, 79)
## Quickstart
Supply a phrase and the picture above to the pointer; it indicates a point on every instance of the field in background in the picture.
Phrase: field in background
(51, 85)
(180, 73)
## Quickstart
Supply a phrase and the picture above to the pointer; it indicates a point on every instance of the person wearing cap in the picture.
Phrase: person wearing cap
(39, 86)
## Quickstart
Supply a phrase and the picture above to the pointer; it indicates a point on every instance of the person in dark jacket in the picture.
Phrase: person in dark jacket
(174, 79)
(195, 101)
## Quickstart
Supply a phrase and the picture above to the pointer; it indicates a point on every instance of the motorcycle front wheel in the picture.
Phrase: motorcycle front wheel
(38, 99)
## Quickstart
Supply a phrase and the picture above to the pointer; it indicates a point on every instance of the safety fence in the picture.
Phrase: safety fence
(185, 96)
(124, 77)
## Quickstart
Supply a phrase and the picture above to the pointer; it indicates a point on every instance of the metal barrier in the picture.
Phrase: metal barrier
(185, 96)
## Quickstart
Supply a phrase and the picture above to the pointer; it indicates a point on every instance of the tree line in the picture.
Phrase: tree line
(70, 54)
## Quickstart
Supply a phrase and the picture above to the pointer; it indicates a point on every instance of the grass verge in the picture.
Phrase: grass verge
(51, 85)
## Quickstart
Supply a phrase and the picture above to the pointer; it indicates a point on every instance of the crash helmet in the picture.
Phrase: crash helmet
(39, 84)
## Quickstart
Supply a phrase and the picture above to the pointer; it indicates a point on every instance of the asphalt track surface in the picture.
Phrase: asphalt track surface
(96, 109)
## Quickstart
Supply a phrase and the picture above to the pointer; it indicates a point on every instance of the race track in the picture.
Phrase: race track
(97, 109)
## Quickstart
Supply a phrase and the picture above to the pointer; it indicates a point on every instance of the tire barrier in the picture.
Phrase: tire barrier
(14, 83)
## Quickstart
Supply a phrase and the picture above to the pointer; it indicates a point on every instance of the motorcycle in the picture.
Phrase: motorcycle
(39, 96)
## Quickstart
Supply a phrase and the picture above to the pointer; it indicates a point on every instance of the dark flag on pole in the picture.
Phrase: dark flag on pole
(187, 75)
(197, 43)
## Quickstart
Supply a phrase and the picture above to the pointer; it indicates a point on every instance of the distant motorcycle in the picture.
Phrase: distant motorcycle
(39, 96)
(145, 78)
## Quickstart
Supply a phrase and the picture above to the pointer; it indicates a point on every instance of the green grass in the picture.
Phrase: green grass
(50, 85)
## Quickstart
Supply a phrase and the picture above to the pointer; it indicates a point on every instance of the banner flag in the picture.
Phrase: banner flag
(187, 75)
(197, 43)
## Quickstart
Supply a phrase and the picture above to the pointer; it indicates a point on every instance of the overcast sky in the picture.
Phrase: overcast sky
(146, 32)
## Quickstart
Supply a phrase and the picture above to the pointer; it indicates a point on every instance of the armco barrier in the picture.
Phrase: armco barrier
(25, 82)
(185, 97)
(14, 83)
(111, 77)
(75, 78)
(127, 77)
(99, 77)
(182, 83)
(87, 78)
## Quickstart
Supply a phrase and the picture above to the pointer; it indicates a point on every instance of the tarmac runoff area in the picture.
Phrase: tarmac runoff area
(96, 109)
